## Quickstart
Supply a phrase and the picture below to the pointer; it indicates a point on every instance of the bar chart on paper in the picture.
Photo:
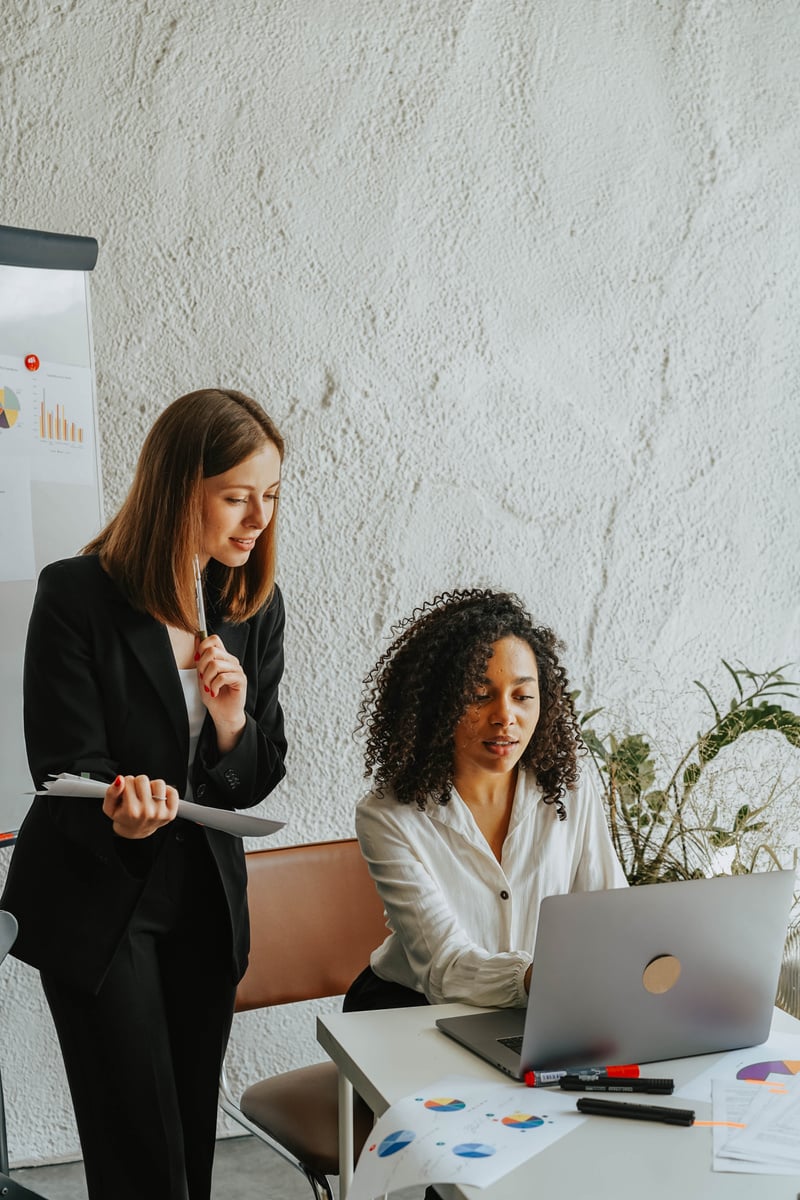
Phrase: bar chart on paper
(47, 418)
(55, 425)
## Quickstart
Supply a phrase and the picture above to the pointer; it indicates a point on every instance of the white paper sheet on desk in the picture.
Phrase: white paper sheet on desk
(458, 1130)
(768, 1142)
(772, 1132)
(236, 823)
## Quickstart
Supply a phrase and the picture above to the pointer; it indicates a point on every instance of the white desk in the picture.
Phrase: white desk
(387, 1055)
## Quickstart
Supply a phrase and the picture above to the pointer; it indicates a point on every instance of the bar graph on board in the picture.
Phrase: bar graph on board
(55, 425)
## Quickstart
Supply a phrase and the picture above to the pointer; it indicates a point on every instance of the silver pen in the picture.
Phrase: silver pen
(198, 595)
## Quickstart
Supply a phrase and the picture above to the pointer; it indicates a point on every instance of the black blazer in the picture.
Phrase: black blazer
(102, 695)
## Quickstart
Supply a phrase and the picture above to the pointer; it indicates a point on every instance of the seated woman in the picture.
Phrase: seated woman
(479, 808)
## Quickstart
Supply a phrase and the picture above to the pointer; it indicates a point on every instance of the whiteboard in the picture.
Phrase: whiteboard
(50, 496)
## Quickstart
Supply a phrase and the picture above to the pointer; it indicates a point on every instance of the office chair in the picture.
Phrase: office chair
(9, 1190)
(315, 917)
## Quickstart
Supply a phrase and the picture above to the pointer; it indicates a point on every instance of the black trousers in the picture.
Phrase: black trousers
(368, 992)
(143, 1056)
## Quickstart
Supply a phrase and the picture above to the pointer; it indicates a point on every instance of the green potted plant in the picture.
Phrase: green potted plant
(671, 830)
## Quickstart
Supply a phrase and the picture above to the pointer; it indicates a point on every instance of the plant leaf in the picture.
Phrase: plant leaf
(735, 678)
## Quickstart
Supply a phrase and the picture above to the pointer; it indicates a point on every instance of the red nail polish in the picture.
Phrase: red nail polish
(197, 658)
(118, 781)
(207, 689)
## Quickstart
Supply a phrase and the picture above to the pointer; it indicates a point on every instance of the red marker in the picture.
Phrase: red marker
(589, 1074)
(32, 362)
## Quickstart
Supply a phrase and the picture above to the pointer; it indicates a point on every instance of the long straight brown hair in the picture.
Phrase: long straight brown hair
(148, 547)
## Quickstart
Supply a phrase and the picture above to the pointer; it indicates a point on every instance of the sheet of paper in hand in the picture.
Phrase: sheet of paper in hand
(237, 823)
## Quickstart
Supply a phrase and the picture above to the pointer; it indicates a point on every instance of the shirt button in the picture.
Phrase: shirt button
(504, 895)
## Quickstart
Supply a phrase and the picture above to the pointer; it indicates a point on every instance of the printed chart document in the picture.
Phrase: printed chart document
(774, 1061)
(46, 418)
(458, 1130)
(759, 1130)
(237, 823)
(755, 1094)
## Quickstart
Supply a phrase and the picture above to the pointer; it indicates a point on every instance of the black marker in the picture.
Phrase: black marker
(639, 1112)
(578, 1083)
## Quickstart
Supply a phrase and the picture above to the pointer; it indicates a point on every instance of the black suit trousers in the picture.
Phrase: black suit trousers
(143, 1054)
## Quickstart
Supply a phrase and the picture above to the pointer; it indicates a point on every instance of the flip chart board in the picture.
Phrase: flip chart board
(50, 497)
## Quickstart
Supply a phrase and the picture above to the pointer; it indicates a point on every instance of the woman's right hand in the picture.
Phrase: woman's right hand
(138, 806)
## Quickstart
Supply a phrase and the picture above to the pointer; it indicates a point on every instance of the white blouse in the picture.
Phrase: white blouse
(463, 925)
(196, 712)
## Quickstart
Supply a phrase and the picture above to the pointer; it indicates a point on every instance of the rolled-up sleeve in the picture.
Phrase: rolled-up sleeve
(430, 947)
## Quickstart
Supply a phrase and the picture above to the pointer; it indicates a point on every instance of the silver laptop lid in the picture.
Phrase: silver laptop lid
(657, 971)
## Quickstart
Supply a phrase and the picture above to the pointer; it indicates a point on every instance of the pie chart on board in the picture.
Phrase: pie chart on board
(9, 408)
(762, 1070)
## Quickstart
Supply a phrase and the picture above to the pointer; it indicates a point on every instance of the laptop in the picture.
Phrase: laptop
(641, 974)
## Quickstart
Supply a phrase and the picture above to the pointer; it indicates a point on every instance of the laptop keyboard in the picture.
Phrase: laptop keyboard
(513, 1043)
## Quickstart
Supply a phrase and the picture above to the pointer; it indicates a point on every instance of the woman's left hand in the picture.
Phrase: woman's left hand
(223, 689)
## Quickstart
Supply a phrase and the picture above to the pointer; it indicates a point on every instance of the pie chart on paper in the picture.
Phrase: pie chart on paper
(393, 1142)
(762, 1070)
(519, 1120)
(445, 1104)
(9, 408)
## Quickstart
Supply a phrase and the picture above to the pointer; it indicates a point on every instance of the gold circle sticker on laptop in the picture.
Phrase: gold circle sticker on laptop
(661, 974)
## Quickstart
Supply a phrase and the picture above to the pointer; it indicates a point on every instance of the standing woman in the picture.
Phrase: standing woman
(137, 919)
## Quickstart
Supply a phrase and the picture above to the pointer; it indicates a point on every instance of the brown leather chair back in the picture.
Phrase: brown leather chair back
(315, 917)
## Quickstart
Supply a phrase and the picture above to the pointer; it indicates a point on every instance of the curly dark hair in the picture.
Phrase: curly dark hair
(420, 688)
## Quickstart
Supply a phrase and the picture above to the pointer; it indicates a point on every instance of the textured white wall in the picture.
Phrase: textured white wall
(519, 282)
